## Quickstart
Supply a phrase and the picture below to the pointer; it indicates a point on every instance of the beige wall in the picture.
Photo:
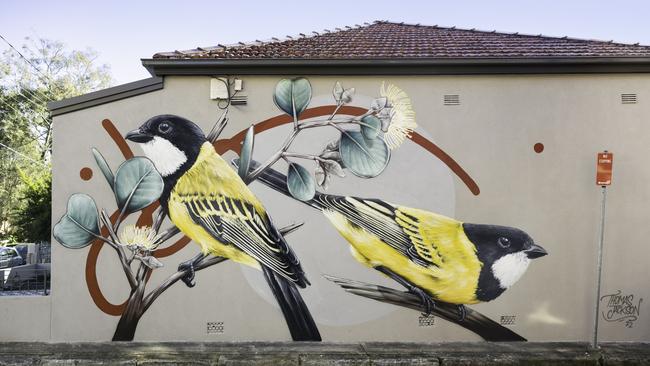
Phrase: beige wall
(551, 195)
(25, 318)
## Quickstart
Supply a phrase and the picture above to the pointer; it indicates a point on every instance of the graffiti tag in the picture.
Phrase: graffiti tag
(621, 308)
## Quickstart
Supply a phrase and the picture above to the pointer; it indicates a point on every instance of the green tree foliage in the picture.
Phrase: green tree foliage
(49, 72)
(32, 219)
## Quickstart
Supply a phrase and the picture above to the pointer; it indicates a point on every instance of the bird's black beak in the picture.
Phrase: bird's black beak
(535, 251)
(138, 136)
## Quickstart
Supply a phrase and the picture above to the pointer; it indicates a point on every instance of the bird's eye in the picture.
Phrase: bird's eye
(504, 242)
(164, 127)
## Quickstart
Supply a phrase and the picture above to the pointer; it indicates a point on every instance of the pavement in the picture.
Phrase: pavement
(325, 353)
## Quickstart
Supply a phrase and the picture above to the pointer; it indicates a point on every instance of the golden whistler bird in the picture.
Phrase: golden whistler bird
(207, 200)
(435, 257)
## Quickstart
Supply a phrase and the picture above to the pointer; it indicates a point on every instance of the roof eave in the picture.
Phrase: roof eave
(414, 66)
(105, 96)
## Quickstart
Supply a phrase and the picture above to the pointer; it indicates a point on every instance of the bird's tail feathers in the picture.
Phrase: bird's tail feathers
(278, 181)
(299, 320)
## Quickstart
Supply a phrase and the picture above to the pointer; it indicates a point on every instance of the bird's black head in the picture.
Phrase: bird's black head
(170, 141)
(505, 253)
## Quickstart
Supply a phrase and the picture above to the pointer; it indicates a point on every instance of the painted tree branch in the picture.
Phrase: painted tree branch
(297, 128)
(126, 264)
(474, 321)
(138, 303)
(206, 262)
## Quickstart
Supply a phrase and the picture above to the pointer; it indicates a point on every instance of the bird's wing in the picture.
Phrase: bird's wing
(235, 222)
(435, 238)
(399, 229)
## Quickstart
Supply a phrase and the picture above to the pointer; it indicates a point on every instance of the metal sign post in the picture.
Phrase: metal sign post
(603, 179)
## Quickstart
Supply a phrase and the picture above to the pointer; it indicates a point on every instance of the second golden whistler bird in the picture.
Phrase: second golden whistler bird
(206, 199)
(433, 256)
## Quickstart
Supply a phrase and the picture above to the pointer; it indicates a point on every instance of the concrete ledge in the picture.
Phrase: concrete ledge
(294, 354)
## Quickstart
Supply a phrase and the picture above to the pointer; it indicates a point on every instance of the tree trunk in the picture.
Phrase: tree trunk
(128, 323)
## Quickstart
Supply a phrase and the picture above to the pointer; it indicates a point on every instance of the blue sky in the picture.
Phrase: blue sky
(125, 31)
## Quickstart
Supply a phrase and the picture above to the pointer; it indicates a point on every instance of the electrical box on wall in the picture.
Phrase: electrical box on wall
(239, 85)
(219, 88)
(227, 89)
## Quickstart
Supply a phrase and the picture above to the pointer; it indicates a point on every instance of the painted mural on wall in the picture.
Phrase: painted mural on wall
(443, 264)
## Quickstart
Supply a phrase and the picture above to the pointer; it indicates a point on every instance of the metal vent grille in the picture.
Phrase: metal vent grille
(215, 327)
(628, 98)
(451, 99)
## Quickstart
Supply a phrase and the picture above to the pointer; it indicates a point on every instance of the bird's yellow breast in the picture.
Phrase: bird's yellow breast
(453, 278)
(210, 176)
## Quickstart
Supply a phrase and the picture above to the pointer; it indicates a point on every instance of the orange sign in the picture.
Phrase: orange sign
(604, 168)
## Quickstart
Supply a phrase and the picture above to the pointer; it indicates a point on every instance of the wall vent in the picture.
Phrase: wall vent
(508, 319)
(451, 99)
(215, 327)
(427, 320)
(628, 98)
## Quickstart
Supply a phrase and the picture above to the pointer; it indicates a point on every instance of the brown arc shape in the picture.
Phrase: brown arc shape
(117, 138)
(223, 146)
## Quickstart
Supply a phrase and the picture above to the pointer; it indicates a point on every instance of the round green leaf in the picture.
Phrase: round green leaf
(78, 227)
(103, 166)
(301, 184)
(370, 126)
(365, 159)
(137, 184)
(246, 153)
(292, 95)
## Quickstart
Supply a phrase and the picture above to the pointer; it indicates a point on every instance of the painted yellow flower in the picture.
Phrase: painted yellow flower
(143, 237)
(402, 115)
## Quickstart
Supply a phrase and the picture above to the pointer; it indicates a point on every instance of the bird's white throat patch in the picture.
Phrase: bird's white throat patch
(509, 268)
(165, 156)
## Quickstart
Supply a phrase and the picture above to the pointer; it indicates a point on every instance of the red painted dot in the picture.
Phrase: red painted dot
(86, 173)
(539, 147)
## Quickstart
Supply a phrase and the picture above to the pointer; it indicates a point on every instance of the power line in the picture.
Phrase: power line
(30, 96)
(38, 114)
(33, 102)
(33, 94)
(28, 99)
(23, 155)
(25, 58)
(35, 68)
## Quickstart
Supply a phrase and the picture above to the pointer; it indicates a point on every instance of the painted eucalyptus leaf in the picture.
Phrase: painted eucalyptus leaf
(103, 166)
(300, 182)
(365, 159)
(322, 178)
(379, 103)
(385, 115)
(332, 167)
(370, 127)
(337, 91)
(325, 170)
(292, 95)
(78, 227)
(246, 153)
(332, 155)
(346, 97)
(137, 184)
(151, 262)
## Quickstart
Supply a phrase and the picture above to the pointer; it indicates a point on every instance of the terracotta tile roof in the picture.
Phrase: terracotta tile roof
(388, 40)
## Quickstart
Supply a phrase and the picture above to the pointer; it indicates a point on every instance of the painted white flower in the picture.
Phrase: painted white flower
(402, 115)
(135, 237)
